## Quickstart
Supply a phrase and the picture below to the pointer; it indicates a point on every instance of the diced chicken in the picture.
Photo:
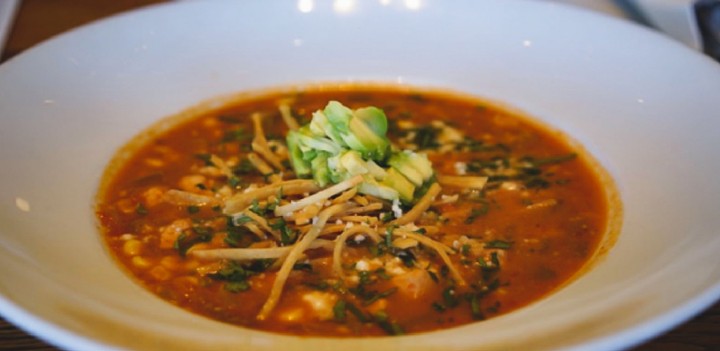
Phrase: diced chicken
(126, 206)
(292, 315)
(153, 196)
(413, 284)
(321, 303)
(170, 233)
(154, 162)
(192, 183)
(362, 265)
(460, 168)
(542, 204)
(395, 267)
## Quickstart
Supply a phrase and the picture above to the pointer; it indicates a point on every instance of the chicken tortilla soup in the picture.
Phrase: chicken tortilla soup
(353, 210)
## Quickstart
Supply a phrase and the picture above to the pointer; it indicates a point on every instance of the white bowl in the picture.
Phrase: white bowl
(646, 107)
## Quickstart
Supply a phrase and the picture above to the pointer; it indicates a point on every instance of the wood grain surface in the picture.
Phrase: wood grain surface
(38, 20)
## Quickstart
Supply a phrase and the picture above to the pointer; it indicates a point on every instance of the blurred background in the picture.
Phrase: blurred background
(24, 23)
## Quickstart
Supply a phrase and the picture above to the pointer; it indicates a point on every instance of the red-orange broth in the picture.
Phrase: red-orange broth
(538, 221)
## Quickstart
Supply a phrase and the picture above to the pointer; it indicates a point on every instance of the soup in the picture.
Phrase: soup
(352, 211)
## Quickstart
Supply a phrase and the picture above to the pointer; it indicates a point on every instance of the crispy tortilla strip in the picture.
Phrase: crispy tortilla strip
(287, 116)
(442, 251)
(241, 201)
(260, 145)
(467, 182)
(221, 165)
(294, 255)
(256, 254)
(345, 197)
(420, 207)
(263, 167)
(262, 222)
(319, 196)
(340, 245)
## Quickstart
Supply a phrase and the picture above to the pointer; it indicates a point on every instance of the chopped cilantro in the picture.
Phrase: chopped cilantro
(433, 276)
(228, 119)
(239, 286)
(426, 137)
(406, 256)
(384, 322)
(465, 249)
(388, 235)
(380, 272)
(449, 297)
(374, 296)
(234, 182)
(188, 238)
(476, 212)
(550, 160)
(303, 266)
(236, 135)
(141, 209)
(244, 167)
(438, 306)
(498, 244)
(288, 236)
(357, 312)
(239, 220)
(205, 158)
(474, 302)
(339, 311)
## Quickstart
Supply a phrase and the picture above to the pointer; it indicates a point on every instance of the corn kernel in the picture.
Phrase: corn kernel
(154, 162)
(140, 262)
(160, 273)
(190, 182)
(187, 281)
(199, 246)
(170, 262)
(290, 316)
(126, 206)
(192, 264)
(132, 247)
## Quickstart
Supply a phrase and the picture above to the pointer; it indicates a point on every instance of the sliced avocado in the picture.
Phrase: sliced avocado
(299, 164)
(376, 171)
(374, 118)
(320, 126)
(307, 142)
(373, 188)
(420, 162)
(397, 181)
(353, 163)
(320, 170)
(340, 143)
(354, 142)
(401, 162)
(373, 146)
(338, 173)
(339, 116)
(416, 167)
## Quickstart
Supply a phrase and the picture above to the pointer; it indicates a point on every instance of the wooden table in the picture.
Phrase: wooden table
(38, 20)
